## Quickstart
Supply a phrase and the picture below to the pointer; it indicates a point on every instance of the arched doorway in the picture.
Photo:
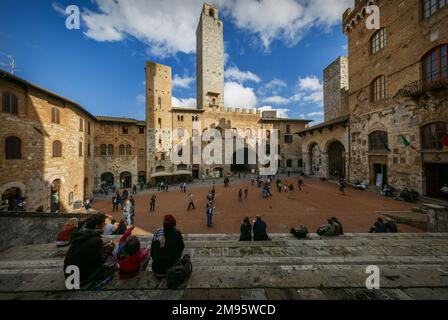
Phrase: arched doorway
(126, 180)
(55, 196)
(247, 164)
(336, 160)
(142, 177)
(10, 196)
(315, 159)
(107, 179)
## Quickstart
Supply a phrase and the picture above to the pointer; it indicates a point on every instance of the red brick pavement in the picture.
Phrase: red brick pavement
(311, 207)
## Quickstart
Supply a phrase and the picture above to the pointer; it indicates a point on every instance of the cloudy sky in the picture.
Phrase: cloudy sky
(275, 50)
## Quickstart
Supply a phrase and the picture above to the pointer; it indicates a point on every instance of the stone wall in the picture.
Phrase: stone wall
(335, 85)
(37, 169)
(31, 228)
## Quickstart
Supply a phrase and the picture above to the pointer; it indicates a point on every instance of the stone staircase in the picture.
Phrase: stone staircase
(412, 266)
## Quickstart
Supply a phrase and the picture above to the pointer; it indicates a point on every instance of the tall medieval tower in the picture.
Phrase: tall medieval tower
(158, 117)
(210, 59)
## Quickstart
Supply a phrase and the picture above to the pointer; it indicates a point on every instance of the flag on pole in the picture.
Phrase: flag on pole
(407, 143)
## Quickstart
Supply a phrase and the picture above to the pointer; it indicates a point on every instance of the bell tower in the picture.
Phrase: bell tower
(210, 59)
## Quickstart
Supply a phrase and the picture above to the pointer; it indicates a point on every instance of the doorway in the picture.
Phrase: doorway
(55, 206)
(379, 177)
(436, 176)
(10, 196)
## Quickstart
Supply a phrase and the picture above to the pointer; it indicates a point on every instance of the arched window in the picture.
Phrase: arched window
(128, 150)
(121, 150)
(378, 89)
(434, 136)
(55, 118)
(57, 149)
(10, 103)
(159, 101)
(378, 141)
(103, 150)
(110, 149)
(182, 167)
(434, 64)
(159, 169)
(430, 7)
(13, 148)
(378, 41)
(288, 163)
(211, 13)
(80, 149)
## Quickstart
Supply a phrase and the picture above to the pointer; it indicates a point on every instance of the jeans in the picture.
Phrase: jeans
(209, 220)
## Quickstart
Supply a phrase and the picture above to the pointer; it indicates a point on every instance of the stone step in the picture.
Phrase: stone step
(253, 277)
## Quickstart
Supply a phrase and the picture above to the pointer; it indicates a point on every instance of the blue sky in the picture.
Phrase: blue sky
(275, 50)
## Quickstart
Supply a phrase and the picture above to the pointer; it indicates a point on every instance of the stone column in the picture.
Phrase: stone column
(437, 218)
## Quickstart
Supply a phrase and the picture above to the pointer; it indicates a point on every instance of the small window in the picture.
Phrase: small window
(122, 150)
(88, 128)
(142, 152)
(110, 149)
(57, 149)
(378, 141)
(378, 41)
(268, 149)
(288, 138)
(433, 135)
(180, 152)
(128, 150)
(55, 116)
(141, 130)
(125, 130)
(103, 150)
(80, 149)
(289, 163)
(13, 148)
(159, 101)
(182, 118)
(81, 124)
(211, 13)
(10, 103)
(88, 150)
(288, 129)
(435, 64)
(159, 121)
(378, 89)
(430, 7)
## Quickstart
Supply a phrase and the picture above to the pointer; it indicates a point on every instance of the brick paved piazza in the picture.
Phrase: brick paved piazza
(357, 210)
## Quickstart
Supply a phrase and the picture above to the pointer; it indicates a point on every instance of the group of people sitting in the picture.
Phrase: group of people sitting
(332, 228)
(98, 260)
(384, 227)
(256, 231)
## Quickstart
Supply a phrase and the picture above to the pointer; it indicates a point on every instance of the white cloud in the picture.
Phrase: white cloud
(238, 96)
(169, 27)
(58, 8)
(233, 73)
(344, 47)
(140, 99)
(315, 114)
(276, 100)
(286, 20)
(185, 82)
(281, 113)
(273, 87)
(183, 103)
(311, 83)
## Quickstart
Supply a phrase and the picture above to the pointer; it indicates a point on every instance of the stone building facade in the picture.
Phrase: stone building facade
(46, 144)
(325, 147)
(120, 152)
(398, 94)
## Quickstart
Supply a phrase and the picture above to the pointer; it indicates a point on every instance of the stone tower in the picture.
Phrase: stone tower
(210, 59)
(336, 89)
(158, 116)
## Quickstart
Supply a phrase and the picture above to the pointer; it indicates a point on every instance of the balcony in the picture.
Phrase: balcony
(419, 88)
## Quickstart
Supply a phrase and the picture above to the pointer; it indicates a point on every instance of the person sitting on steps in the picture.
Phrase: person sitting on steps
(167, 247)
(131, 259)
(246, 230)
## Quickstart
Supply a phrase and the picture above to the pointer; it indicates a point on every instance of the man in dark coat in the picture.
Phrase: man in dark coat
(260, 233)
(87, 250)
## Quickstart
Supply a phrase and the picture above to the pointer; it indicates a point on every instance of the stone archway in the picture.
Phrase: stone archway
(336, 160)
(315, 159)
(126, 180)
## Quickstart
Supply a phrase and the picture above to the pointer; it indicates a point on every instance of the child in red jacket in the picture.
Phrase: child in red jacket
(131, 259)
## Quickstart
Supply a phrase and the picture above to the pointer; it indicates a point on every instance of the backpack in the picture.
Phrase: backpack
(179, 273)
(300, 232)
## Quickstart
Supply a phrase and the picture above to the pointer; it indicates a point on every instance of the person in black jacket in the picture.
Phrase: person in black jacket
(87, 250)
(167, 247)
(260, 233)
(246, 230)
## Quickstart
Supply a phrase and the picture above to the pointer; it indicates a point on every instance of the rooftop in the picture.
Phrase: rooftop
(326, 124)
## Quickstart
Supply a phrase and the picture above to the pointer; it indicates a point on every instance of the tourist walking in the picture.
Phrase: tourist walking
(190, 202)
(342, 186)
(300, 183)
(210, 215)
(152, 203)
(114, 203)
(240, 195)
(134, 190)
(246, 191)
